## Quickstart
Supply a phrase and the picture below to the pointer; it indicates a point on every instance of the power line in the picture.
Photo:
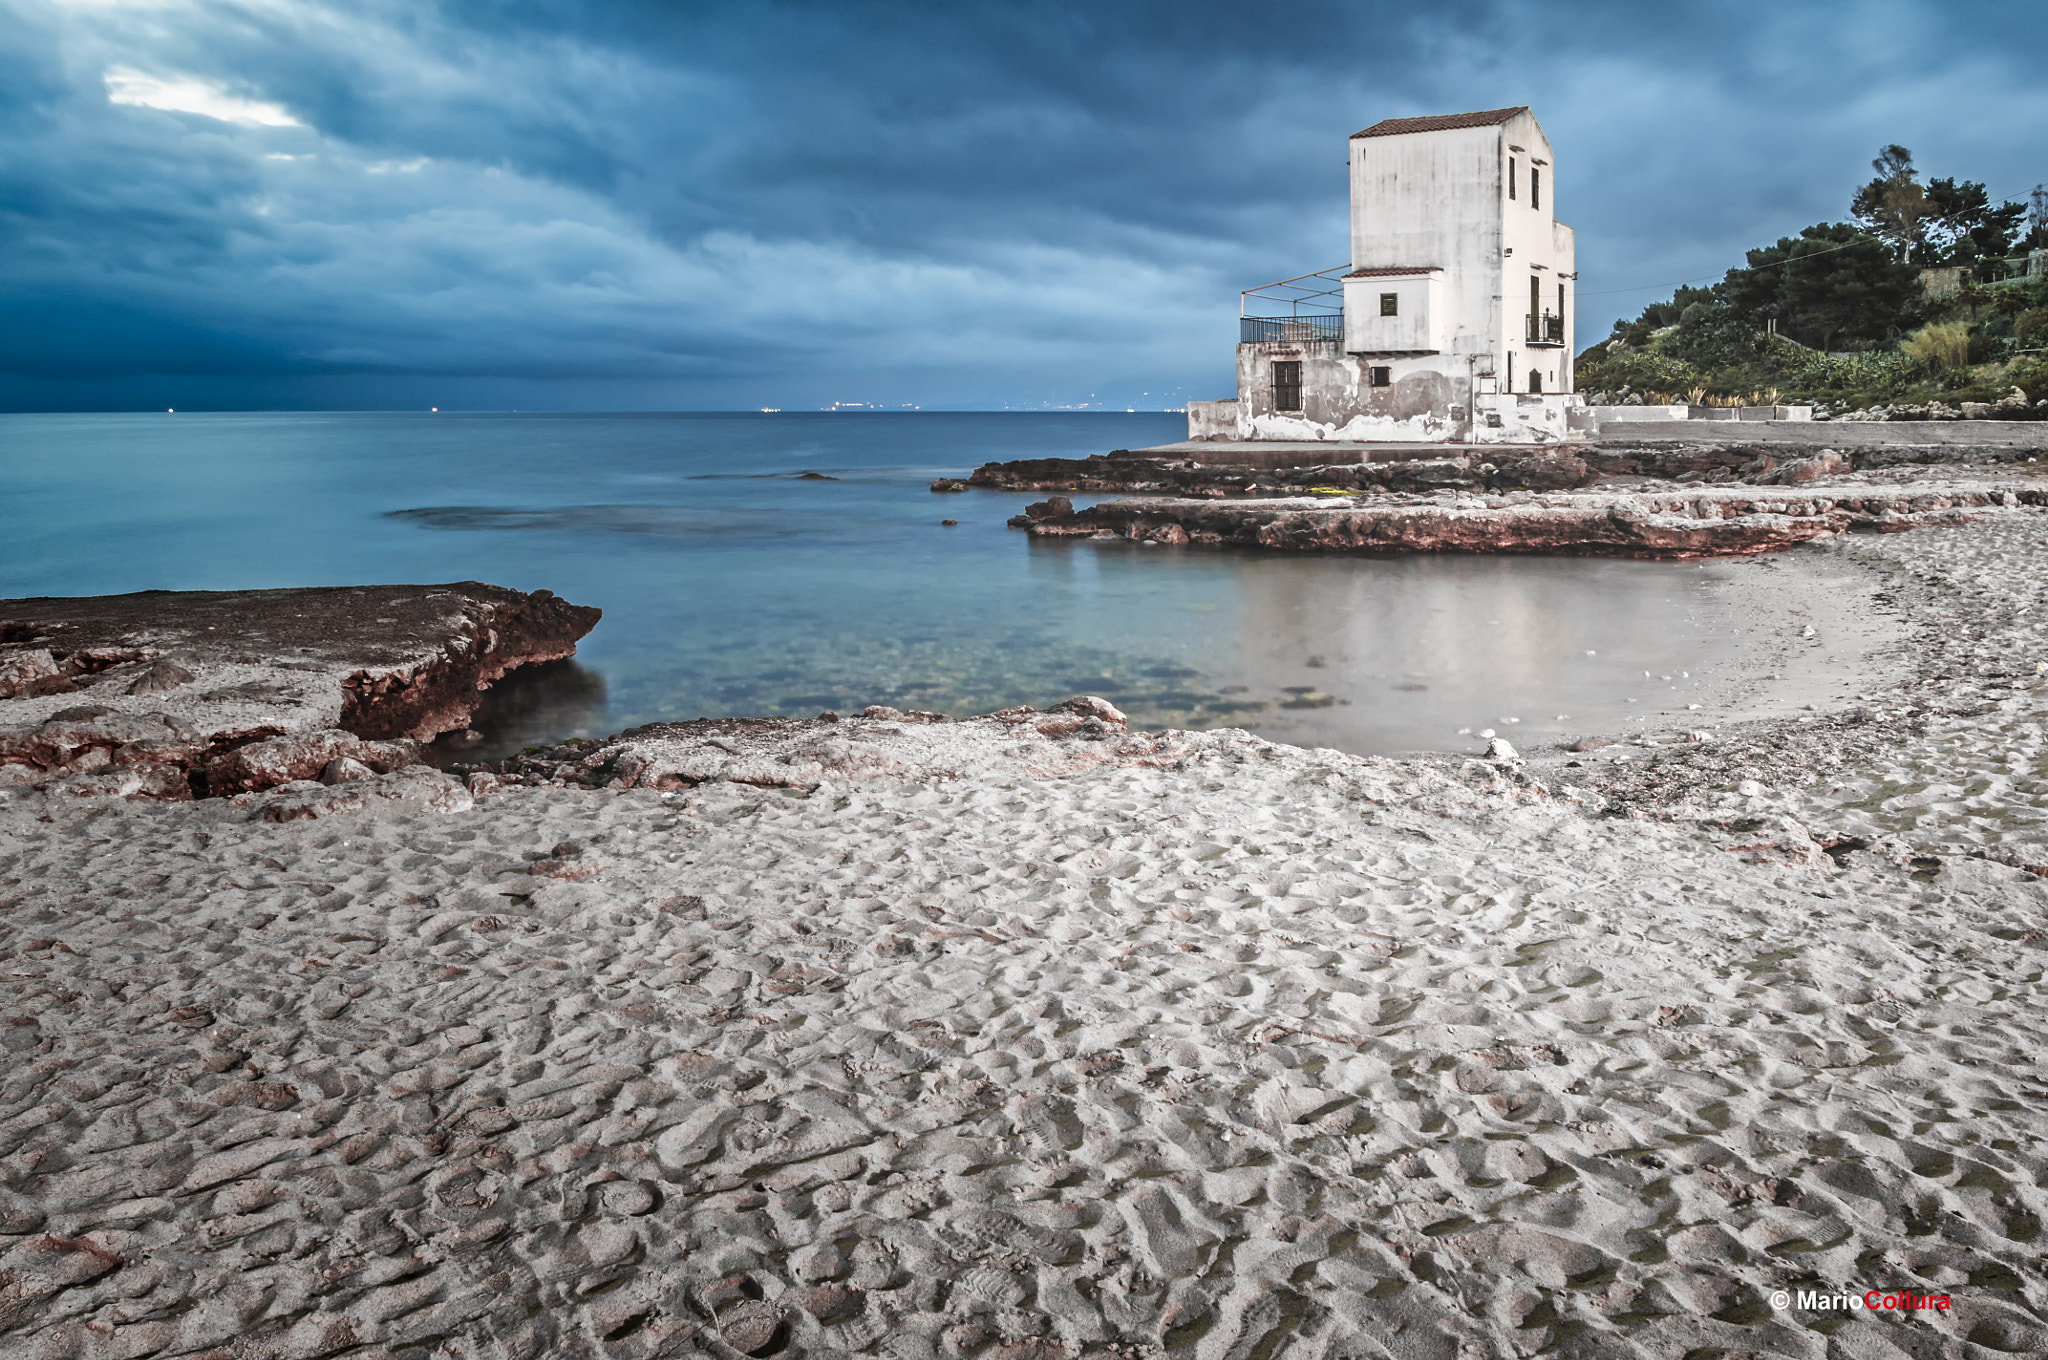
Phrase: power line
(1737, 269)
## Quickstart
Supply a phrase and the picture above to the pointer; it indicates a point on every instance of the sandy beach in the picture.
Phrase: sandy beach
(1030, 1036)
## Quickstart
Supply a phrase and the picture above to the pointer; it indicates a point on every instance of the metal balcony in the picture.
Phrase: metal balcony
(1546, 330)
(1256, 330)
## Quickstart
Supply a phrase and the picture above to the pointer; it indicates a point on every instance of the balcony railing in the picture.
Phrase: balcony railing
(1257, 330)
(1546, 330)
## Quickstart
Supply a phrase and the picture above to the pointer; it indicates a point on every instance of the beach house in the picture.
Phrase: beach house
(1452, 322)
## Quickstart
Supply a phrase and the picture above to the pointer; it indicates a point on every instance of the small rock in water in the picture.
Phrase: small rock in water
(949, 522)
(1486, 732)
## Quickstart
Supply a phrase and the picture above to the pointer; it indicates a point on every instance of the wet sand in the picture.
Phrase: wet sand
(1031, 1037)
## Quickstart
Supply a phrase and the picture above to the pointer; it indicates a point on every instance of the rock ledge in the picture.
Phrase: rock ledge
(169, 694)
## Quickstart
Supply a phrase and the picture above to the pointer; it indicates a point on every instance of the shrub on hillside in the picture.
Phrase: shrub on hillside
(1611, 367)
(1944, 345)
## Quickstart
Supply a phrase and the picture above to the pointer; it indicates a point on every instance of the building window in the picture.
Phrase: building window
(1287, 385)
(1535, 298)
(1390, 304)
(1535, 187)
(1511, 370)
(1382, 377)
(1511, 177)
(1536, 380)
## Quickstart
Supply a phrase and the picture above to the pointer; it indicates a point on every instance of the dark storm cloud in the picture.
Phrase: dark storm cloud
(762, 203)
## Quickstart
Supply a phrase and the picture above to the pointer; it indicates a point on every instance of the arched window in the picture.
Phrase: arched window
(1535, 380)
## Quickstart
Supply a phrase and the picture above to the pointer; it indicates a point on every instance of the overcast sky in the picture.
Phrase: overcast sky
(555, 204)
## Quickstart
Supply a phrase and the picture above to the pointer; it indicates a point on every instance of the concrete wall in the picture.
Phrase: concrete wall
(1608, 415)
(1940, 283)
(1524, 418)
(1423, 317)
(1748, 412)
(1213, 420)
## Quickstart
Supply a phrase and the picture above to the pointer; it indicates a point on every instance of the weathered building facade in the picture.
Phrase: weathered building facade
(1453, 322)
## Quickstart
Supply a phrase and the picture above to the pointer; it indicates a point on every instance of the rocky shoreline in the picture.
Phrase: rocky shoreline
(1619, 496)
(1699, 522)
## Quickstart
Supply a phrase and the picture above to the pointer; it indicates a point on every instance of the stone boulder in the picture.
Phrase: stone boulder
(273, 761)
(1547, 472)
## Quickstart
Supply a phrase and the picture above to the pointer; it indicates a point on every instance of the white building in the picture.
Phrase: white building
(1453, 322)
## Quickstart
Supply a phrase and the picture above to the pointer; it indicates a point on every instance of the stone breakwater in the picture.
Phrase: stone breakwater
(1697, 522)
(168, 695)
(1229, 475)
(1755, 454)
(1242, 474)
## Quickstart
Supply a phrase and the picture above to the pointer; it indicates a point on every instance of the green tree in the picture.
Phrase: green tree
(1831, 282)
(1893, 205)
(1961, 224)
(1945, 221)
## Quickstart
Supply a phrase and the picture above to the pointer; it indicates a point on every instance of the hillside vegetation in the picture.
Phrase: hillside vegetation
(1837, 316)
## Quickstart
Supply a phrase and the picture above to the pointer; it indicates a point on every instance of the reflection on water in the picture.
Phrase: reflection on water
(731, 582)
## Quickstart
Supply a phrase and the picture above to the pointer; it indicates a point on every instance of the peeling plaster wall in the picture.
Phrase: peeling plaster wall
(1421, 403)
(1526, 419)
(1214, 420)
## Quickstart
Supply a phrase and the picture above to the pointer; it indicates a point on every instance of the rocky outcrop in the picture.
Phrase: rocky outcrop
(1237, 473)
(1707, 522)
(304, 756)
(164, 694)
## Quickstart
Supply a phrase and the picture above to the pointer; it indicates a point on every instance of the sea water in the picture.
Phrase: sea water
(734, 583)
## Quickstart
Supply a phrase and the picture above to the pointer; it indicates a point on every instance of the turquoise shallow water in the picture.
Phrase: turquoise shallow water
(731, 585)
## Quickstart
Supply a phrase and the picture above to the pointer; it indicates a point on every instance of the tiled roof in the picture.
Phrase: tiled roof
(1394, 273)
(1440, 122)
